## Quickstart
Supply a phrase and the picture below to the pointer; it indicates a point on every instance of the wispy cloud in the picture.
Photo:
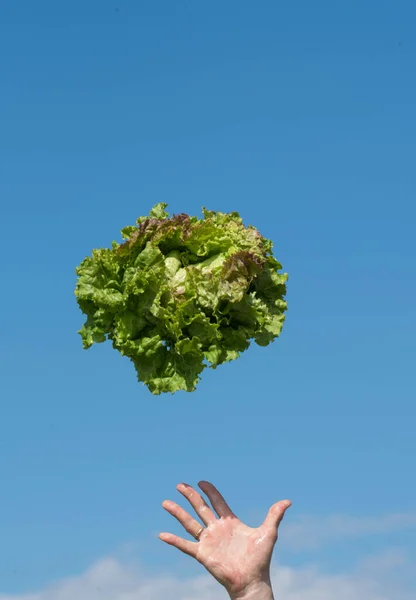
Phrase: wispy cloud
(109, 579)
(311, 532)
(384, 577)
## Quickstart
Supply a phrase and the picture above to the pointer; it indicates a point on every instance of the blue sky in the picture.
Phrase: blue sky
(301, 117)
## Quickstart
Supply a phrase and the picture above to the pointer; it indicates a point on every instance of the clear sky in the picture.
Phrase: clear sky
(301, 116)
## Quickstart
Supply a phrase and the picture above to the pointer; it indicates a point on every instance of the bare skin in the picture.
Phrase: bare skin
(237, 556)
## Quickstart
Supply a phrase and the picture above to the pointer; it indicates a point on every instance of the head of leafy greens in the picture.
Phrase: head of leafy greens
(182, 293)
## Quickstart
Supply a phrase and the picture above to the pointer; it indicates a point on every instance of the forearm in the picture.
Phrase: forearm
(260, 591)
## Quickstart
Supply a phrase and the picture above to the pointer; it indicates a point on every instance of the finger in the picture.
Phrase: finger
(276, 514)
(217, 500)
(197, 502)
(190, 524)
(183, 545)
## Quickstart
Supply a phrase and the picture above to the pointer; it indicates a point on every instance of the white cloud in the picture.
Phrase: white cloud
(109, 579)
(388, 576)
(310, 532)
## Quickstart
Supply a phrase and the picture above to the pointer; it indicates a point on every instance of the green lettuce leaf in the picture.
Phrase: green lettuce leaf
(182, 293)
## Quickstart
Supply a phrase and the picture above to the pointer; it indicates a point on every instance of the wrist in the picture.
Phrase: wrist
(260, 590)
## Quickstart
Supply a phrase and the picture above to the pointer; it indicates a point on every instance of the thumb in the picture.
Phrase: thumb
(276, 514)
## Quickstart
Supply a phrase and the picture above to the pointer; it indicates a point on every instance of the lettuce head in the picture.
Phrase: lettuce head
(182, 293)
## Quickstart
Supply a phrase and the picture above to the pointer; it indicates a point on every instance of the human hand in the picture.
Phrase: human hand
(237, 556)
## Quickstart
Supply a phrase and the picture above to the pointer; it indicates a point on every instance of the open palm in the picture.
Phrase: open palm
(237, 556)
